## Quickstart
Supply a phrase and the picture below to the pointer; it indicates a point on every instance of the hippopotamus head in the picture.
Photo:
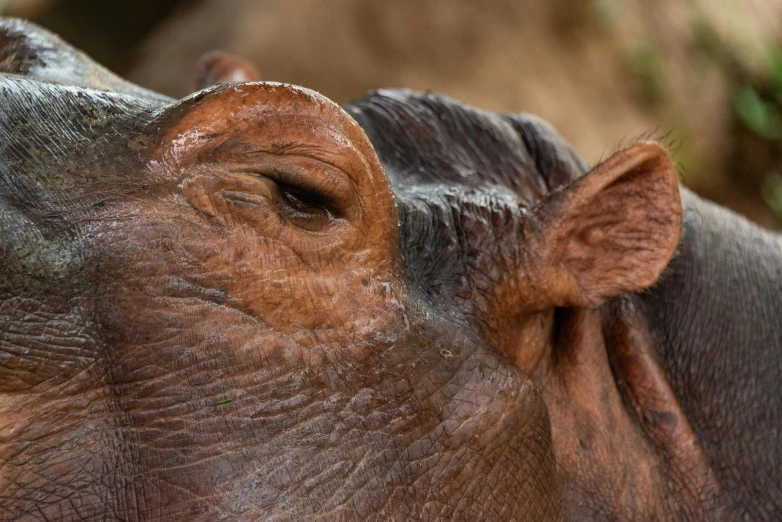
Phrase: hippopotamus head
(254, 304)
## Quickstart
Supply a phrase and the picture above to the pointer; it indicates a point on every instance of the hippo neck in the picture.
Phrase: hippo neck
(717, 329)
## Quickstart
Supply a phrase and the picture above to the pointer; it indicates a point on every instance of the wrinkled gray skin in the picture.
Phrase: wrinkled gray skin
(69, 154)
(717, 322)
(715, 316)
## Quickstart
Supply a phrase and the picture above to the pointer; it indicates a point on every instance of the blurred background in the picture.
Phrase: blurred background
(705, 73)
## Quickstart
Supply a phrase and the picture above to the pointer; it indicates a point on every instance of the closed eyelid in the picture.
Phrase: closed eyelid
(307, 175)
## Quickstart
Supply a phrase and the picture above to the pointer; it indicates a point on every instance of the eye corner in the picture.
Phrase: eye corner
(308, 209)
(308, 194)
(307, 198)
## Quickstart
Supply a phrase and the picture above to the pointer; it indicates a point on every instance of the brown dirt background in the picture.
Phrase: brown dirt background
(707, 74)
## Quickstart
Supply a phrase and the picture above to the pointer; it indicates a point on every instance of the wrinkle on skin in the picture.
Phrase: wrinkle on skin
(31, 51)
(605, 465)
(659, 413)
(318, 318)
(415, 336)
(454, 283)
(720, 350)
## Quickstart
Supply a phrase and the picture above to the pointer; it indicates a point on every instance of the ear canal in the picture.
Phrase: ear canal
(31, 51)
(221, 67)
(614, 230)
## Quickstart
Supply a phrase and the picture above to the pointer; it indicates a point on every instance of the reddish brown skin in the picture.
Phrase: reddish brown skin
(222, 67)
(252, 304)
(232, 349)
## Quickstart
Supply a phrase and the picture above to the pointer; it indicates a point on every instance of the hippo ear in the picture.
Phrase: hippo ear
(221, 67)
(613, 231)
(31, 51)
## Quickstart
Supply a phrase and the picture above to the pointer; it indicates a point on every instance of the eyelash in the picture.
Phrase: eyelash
(309, 211)
(303, 201)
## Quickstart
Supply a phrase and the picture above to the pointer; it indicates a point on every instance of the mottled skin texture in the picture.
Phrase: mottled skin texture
(720, 346)
(252, 304)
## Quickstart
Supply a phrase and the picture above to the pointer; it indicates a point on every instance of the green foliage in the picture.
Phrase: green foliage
(607, 13)
(772, 192)
(705, 39)
(758, 115)
(647, 64)
(775, 73)
(756, 94)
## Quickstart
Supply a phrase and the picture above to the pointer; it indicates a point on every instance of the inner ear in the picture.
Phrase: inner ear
(614, 230)
(222, 67)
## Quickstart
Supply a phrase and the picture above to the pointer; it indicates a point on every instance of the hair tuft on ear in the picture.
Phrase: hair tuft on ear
(614, 230)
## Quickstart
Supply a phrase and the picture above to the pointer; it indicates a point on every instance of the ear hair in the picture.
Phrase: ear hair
(665, 139)
(612, 231)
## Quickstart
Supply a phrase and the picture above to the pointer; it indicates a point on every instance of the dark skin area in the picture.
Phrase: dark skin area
(733, 338)
(252, 304)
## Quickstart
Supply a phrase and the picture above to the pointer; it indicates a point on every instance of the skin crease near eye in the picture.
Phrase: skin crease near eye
(299, 206)
(255, 304)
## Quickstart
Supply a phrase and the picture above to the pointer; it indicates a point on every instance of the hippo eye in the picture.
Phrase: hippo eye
(309, 210)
